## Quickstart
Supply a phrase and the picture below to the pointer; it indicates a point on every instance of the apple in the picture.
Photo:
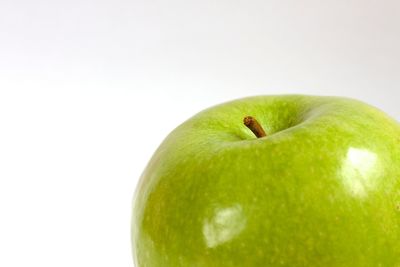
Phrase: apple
(304, 181)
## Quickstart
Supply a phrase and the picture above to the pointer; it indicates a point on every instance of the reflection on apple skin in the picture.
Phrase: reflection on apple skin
(360, 171)
(224, 225)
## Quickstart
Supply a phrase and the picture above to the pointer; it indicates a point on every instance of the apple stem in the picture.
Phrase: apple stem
(254, 126)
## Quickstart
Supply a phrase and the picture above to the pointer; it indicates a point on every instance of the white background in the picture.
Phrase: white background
(89, 88)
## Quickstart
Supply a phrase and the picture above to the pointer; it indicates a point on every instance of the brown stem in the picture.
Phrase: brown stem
(254, 126)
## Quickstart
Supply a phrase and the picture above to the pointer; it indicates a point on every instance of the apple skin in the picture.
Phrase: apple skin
(321, 189)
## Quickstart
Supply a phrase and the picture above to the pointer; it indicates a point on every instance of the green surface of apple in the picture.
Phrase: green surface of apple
(321, 189)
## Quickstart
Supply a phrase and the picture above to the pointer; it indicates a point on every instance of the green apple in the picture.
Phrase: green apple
(321, 188)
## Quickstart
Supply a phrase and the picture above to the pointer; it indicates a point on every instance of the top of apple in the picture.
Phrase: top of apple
(280, 114)
(300, 129)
